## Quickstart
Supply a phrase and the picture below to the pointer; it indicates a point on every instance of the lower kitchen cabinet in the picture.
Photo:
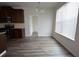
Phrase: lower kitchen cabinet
(2, 43)
(16, 33)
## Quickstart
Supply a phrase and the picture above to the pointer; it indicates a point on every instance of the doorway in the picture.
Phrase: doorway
(34, 26)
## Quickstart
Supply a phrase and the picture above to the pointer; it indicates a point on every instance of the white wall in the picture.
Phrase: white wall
(72, 46)
(45, 21)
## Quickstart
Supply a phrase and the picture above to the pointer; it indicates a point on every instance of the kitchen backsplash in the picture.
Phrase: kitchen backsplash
(16, 25)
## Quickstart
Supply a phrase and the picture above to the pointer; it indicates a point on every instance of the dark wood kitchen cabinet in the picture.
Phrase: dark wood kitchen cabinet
(16, 33)
(2, 43)
(5, 11)
(5, 14)
(17, 15)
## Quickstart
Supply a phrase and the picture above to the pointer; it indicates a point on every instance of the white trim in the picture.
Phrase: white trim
(2, 53)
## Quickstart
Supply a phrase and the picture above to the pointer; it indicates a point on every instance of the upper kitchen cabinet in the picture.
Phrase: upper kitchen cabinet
(5, 11)
(8, 14)
(18, 16)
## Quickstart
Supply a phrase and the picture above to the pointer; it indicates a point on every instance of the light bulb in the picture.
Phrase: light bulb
(36, 10)
(42, 11)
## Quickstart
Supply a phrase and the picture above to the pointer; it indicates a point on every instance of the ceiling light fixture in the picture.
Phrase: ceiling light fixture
(38, 8)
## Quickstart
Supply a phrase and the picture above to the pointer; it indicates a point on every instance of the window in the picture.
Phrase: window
(66, 20)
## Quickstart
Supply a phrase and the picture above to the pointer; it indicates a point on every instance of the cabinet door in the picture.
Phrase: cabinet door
(2, 13)
(2, 43)
(5, 13)
(1, 16)
(18, 16)
(18, 33)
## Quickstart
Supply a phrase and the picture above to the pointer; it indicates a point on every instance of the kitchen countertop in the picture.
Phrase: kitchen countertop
(2, 32)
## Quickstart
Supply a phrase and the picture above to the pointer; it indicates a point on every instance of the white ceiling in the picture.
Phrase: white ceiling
(30, 4)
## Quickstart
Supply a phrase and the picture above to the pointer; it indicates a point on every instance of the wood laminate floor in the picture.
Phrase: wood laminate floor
(36, 47)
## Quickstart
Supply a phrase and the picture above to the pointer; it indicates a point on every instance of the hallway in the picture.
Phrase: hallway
(36, 47)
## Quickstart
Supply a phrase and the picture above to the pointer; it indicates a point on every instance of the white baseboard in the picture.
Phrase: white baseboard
(2, 53)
